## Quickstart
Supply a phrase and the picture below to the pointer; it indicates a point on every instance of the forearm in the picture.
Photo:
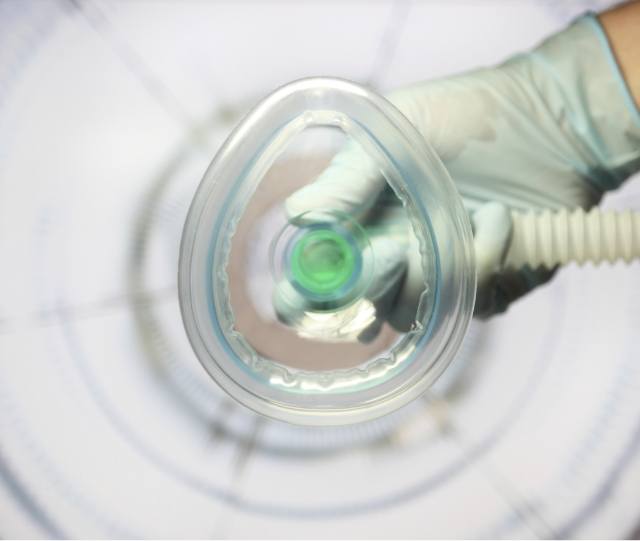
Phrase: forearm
(622, 26)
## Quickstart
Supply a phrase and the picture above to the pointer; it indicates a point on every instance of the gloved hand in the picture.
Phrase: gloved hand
(552, 128)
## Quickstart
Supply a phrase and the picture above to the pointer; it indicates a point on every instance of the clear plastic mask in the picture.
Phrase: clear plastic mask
(282, 305)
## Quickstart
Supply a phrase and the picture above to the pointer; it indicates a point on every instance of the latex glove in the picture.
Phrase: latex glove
(552, 128)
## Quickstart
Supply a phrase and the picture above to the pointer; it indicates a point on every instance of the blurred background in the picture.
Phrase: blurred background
(109, 114)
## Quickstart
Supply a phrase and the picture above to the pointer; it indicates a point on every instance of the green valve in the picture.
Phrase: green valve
(322, 261)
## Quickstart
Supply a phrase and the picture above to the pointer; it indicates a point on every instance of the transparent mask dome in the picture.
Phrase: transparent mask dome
(287, 299)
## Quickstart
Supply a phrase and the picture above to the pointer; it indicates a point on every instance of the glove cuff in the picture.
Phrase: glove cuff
(582, 85)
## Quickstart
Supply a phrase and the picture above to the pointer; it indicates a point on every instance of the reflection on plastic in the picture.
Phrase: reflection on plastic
(297, 120)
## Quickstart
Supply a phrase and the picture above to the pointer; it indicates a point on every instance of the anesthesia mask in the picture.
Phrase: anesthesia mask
(285, 305)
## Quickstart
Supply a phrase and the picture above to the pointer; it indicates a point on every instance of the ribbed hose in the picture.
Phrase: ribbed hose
(549, 238)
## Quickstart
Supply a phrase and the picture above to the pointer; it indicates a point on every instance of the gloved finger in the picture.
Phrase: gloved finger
(389, 242)
(492, 228)
(350, 184)
(404, 310)
(498, 287)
